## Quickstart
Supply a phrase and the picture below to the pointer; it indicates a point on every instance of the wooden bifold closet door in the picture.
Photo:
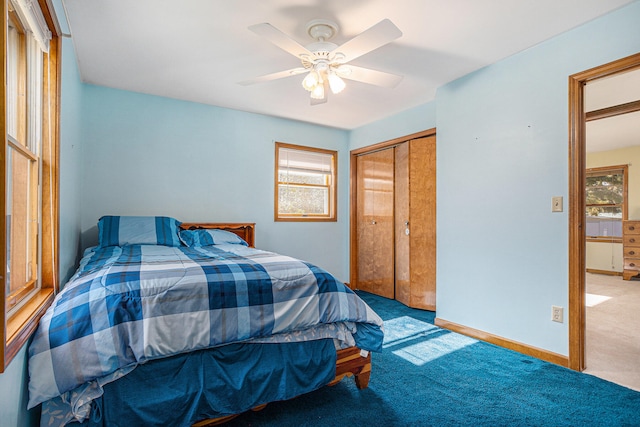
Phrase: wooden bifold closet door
(396, 222)
(375, 181)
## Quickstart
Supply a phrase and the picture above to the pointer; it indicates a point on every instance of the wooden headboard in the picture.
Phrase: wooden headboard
(243, 229)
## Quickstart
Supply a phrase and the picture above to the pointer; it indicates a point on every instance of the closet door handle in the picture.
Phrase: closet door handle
(373, 222)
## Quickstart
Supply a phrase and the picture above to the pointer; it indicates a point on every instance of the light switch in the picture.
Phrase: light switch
(556, 204)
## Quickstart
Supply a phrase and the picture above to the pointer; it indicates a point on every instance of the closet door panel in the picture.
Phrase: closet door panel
(375, 199)
(402, 224)
(422, 178)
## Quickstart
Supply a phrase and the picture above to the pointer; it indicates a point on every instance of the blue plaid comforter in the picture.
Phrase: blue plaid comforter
(127, 305)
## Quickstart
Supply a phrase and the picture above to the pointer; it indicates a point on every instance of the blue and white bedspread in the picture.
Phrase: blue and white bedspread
(131, 304)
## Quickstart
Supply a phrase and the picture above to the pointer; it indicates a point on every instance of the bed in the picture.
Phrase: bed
(169, 323)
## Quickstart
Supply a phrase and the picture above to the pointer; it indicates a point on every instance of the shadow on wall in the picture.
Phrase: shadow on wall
(88, 238)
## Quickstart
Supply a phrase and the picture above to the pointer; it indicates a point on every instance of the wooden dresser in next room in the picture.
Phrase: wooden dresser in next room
(631, 248)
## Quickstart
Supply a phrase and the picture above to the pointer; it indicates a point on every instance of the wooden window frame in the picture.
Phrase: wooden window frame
(16, 329)
(605, 170)
(332, 187)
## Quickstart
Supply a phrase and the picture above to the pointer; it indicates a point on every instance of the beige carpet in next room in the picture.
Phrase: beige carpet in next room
(613, 329)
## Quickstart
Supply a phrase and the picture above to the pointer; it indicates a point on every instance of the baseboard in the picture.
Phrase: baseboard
(607, 272)
(538, 353)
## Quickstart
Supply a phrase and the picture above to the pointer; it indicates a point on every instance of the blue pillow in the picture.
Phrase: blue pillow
(209, 236)
(138, 230)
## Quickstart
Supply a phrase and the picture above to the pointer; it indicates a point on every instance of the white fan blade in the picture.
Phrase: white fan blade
(280, 39)
(380, 34)
(273, 76)
(372, 77)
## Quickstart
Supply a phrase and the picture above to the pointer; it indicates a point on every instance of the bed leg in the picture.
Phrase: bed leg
(352, 362)
(362, 379)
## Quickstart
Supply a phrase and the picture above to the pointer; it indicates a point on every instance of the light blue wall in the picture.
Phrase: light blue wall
(413, 120)
(502, 153)
(147, 155)
(70, 162)
(14, 394)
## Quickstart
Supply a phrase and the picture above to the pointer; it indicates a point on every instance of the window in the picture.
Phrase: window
(28, 224)
(606, 198)
(305, 183)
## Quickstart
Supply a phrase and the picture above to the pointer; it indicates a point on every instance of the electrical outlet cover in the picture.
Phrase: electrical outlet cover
(557, 314)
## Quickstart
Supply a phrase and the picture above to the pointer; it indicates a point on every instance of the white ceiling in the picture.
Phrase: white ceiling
(198, 50)
(618, 131)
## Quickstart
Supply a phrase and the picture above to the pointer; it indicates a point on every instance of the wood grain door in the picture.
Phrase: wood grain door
(415, 223)
(402, 225)
(375, 224)
(422, 197)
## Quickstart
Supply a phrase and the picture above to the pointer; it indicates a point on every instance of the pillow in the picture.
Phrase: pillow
(209, 236)
(138, 230)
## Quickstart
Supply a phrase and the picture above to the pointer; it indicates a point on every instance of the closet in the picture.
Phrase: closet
(393, 229)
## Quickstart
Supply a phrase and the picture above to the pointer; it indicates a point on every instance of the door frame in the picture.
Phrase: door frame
(577, 176)
(353, 195)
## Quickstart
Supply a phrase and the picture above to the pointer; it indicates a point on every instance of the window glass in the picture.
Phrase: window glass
(605, 202)
(21, 220)
(15, 55)
(305, 183)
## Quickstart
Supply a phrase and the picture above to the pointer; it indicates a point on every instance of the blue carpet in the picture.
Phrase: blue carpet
(427, 376)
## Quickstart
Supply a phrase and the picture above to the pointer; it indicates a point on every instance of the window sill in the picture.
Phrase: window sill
(22, 324)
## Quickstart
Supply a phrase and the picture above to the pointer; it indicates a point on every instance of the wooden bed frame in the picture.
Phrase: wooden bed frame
(349, 362)
(243, 229)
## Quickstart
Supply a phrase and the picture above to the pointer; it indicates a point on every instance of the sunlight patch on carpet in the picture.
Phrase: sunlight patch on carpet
(592, 299)
(420, 342)
(402, 329)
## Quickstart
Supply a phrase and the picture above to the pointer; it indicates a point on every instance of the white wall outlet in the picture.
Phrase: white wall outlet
(556, 204)
(557, 314)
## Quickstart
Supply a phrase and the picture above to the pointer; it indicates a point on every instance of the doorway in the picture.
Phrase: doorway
(577, 175)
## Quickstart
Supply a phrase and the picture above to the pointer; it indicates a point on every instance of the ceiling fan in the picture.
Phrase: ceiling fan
(325, 62)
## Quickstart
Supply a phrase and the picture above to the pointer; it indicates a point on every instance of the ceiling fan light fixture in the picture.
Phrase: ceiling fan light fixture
(310, 81)
(318, 91)
(325, 62)
(336, 84)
